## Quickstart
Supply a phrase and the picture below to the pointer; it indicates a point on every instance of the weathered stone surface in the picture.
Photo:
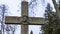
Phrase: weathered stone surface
(36, 21)
(24, 29)
(18, 20)
(24, 8)
(12, 20)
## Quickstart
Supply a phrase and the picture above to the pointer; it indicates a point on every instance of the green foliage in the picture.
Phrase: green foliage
(49, 26)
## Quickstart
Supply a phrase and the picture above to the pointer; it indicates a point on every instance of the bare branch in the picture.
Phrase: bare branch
(56, 8)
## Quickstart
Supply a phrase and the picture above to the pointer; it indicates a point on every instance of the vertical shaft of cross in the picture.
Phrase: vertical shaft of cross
(24, 28)
(24, 8)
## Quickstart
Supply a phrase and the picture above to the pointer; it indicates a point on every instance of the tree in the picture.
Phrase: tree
(11, 28)
(49, 26)
(3, 8)
(57, 7)
(32, 6)
(31, 32)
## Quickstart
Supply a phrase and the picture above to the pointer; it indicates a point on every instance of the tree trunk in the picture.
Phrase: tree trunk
(57, 14)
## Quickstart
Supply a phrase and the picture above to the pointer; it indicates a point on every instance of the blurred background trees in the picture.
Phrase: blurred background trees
(48, 27)
(4, 27)
(52, 21)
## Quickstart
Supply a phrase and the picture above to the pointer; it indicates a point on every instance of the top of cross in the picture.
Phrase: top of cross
(24, 17)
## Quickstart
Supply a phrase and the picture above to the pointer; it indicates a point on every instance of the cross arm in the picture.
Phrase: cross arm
(18, 20)
(36, 21)
(12, 20)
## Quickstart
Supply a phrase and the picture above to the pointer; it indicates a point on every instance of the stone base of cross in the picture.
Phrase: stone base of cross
(24, 20)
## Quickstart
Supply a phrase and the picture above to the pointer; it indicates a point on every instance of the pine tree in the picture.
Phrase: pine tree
(49, 26)
(31, 32)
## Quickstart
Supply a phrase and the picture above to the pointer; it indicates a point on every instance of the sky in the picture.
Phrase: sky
(14, 9)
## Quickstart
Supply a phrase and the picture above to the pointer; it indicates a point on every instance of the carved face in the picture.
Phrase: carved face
(25, 18)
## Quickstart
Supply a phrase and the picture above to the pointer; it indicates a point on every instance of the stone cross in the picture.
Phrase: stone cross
(24, 20)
